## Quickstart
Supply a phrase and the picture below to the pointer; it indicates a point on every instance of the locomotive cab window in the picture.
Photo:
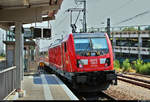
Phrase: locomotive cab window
(90, 45)
(99, 43)
(82, 44)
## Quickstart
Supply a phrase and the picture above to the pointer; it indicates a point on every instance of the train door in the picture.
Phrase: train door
(62, 57)
(65, 61)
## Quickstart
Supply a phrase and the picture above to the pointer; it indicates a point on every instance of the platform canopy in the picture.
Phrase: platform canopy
(27, 11)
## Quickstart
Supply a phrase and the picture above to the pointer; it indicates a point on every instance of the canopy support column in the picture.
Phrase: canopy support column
(19, 45)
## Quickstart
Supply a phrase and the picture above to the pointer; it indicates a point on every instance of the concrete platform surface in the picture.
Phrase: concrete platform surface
(46, 87)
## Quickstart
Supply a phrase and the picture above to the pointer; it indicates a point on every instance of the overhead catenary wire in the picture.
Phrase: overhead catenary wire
(63, 19)
(60, 22)
(77, 17)
(113, 11)
(65, 15)
(131, 18)
(122, 6)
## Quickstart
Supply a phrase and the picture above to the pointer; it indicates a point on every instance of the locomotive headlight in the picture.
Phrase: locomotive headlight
(82, 62)
(80, 66)
(105, 61)
(102, 60)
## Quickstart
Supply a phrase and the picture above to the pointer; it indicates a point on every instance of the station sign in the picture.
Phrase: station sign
(41, 33)
(37, 33)
(46, 32)
(33, 33)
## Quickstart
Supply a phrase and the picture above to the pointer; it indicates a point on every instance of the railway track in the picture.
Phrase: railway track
(136, 74)
(134, 80)
(89, 95)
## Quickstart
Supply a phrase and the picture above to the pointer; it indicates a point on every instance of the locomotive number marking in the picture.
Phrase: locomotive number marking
(93, 61)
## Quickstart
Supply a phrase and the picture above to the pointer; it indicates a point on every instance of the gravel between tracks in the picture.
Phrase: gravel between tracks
(126, 91)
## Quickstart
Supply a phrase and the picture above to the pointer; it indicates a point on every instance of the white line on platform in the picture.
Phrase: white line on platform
(47, 92)
(31, 77)
(66, 89)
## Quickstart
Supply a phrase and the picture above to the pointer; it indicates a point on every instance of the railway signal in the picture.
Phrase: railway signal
(73, 25)
(108, 27)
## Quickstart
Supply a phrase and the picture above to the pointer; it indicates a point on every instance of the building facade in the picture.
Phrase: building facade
(2, 37)
(129, 42)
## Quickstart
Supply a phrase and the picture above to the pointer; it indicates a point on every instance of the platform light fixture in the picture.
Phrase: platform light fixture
(26, 2)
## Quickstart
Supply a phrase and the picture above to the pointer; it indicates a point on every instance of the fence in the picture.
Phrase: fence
(7, 81)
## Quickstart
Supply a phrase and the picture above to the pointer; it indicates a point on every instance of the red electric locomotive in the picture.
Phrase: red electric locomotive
(85, 60)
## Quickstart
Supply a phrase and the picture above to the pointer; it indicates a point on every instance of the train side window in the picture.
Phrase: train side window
(65, 47)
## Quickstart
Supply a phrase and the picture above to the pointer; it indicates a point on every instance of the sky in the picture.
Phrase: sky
(97, 13)
(99, 10)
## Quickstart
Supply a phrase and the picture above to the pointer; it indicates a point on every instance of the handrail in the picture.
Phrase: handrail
(9, 82)
(8, 69)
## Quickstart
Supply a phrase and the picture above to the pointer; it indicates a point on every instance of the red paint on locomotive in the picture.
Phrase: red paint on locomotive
(65, 59)
(80, 62)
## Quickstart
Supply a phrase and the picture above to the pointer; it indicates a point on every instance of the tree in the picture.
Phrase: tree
(130, 29)
(147, 28)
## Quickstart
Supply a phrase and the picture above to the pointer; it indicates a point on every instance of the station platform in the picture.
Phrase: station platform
(45, 87)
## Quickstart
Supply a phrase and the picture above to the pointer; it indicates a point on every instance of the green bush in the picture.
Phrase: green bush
(116, 65)
(138, 64)
(142, 68)
(145, 69)
(126, 65)
(147, 28)
(130, 29)
(2, 55)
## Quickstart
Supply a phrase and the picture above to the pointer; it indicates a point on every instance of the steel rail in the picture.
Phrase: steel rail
(145, 85)
(137, 74)
(136, 79)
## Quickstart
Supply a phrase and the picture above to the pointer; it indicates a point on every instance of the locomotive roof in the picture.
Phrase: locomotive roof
(91, 35)
(77, 35)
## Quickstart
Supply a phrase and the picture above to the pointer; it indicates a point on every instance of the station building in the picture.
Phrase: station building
(129, 44)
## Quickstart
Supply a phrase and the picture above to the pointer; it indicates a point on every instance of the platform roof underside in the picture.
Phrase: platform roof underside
(27, 11)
